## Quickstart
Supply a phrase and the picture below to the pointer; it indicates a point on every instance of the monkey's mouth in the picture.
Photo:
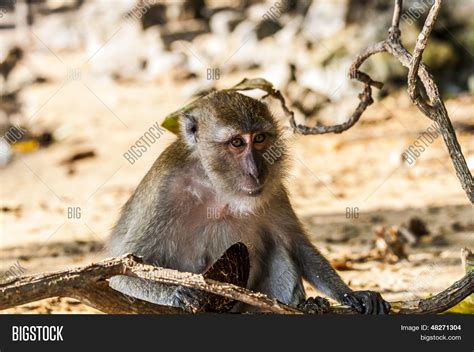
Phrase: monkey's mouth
(253, 192)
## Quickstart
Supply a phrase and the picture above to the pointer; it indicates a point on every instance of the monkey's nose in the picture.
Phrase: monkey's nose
(255, 175)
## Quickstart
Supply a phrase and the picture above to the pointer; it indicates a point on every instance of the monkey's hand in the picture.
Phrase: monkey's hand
(314, 305)
(366, 302)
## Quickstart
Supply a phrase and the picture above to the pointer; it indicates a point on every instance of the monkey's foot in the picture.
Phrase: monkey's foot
(314, 305)
(192, 301)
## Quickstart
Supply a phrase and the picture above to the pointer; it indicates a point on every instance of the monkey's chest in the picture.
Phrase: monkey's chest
(205, 234)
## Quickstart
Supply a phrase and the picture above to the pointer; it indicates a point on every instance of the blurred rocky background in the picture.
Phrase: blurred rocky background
(82, 80)
(303, 47)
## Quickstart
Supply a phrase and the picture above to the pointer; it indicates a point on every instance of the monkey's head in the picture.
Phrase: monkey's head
(240, 147)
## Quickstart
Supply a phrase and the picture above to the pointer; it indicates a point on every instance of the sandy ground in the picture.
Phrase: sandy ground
(360, 168)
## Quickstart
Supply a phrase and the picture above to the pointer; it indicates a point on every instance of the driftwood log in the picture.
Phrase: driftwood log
(90, 286)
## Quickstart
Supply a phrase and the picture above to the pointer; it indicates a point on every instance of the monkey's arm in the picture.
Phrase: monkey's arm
(318, 271)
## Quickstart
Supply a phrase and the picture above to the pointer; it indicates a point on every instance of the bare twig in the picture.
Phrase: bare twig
(420, 47)
(396, 13)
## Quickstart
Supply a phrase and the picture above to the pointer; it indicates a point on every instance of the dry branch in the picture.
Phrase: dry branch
(89, 285)
(440, 302)
(86, 284)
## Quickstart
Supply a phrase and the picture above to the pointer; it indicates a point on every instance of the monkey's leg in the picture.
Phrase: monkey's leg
(177, 296)
(146, 290)
(282, 279)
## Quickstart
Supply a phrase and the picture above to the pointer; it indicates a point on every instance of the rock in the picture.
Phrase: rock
(439, 54)
(110, 61)
(154, 15)
(192, 9)
(58, 32)
(182, 31)
(223, 23)
(470, 84)
(465, 36)
(305, 99)
(267, 28)
(5, 153)
(367, 9)
(325, 18)
(160, 62)
(351, 231)
(279, 74)
(241, 48)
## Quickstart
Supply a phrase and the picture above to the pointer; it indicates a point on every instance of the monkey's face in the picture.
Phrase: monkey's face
(245, 166)
(239, 161)
(239, 146)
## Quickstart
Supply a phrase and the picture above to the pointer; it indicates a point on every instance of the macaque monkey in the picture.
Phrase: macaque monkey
(214, 186)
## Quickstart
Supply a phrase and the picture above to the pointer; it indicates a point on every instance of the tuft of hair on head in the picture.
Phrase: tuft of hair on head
(226, 109)
(240, 111)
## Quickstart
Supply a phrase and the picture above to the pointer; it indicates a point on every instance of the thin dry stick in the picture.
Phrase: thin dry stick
(434, 110)
(420, 47)
(88, 284)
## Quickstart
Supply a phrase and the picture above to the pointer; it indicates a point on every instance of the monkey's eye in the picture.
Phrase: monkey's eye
(237, 142)
(259, 138)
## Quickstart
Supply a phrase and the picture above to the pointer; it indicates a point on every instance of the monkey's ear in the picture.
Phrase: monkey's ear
(189, 127)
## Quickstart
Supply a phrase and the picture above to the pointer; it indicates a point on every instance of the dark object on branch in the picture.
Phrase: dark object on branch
(89, 285)
(233, 267)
